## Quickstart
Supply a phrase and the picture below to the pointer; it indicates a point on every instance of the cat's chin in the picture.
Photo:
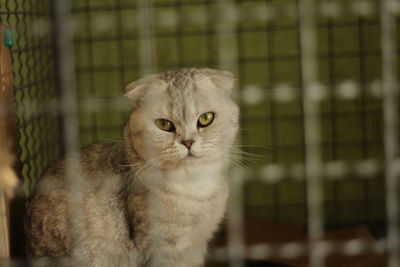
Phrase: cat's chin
(189, 159)
(197, 159)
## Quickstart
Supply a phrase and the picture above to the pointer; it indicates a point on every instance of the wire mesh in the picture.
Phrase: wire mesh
(264, 44)
(35, 86)
(265, 54)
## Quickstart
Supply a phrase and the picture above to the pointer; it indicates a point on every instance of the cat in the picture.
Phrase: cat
(156, 197)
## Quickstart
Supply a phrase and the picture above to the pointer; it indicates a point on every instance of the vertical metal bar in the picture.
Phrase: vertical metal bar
(331, 43)
(210, 34)
(179, 33)
(120, 41)
(363, 109)
(227, 60)
(147, 51)
(69, 107)
(121, 48)
(226, 30)
(66, 74)
(238, 67)
(92, 87)
(272, 116)
(236, 245)
(301, 103)
(308, 45)
(390, 109)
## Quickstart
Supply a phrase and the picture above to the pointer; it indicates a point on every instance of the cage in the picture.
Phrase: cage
(317, 89)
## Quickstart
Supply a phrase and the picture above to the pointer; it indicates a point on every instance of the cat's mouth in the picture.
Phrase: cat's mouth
(191, 155)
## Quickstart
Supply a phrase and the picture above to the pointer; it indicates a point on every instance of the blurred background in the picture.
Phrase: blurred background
(118, 41)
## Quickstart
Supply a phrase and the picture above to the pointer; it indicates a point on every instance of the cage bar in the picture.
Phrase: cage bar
(323, 118)
(390, 110)
(312, 130)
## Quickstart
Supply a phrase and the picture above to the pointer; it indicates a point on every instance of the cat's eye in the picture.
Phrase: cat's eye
(165, 125)
(205, 119)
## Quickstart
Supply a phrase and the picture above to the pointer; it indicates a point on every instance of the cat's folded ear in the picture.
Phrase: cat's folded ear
(220, 78)
(136, 89)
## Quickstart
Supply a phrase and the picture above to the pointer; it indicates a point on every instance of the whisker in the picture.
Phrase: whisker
(256, 146)
(236, 153)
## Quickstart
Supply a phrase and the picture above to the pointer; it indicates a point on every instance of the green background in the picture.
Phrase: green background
(264, 54)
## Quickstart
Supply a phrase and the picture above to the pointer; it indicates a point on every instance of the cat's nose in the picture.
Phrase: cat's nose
(187, 143)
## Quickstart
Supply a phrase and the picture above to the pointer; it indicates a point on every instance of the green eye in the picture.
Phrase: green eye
(165, 125)
(205, 119)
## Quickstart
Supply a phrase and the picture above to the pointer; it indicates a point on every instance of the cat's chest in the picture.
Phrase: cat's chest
(182, 207)
(192, 182)
(185, 220)
(191, 197)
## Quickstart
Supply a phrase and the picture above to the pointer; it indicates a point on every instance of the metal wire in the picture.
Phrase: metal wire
(33, 57)
(313, 113)
(390, 109)
(312, 135)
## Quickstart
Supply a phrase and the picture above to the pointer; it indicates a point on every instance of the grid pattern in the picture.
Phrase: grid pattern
(259, 41)
(35, 90)
(316, 87)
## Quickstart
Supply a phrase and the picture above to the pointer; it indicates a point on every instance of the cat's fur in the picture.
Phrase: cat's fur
(144, 201)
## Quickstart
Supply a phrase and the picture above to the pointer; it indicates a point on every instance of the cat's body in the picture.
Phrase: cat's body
(153, 199)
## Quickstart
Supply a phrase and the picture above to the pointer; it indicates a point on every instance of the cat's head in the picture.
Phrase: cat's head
(182, 117)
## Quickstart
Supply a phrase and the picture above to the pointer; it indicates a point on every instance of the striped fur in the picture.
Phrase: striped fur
(144, 201)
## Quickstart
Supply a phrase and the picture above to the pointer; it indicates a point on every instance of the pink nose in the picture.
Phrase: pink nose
(187, 143)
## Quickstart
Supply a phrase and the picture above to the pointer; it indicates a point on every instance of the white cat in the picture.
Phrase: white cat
(156, 197)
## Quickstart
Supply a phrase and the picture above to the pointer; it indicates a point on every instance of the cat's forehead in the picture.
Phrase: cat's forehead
(184, 96)
(182, 100)
(178, 78)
